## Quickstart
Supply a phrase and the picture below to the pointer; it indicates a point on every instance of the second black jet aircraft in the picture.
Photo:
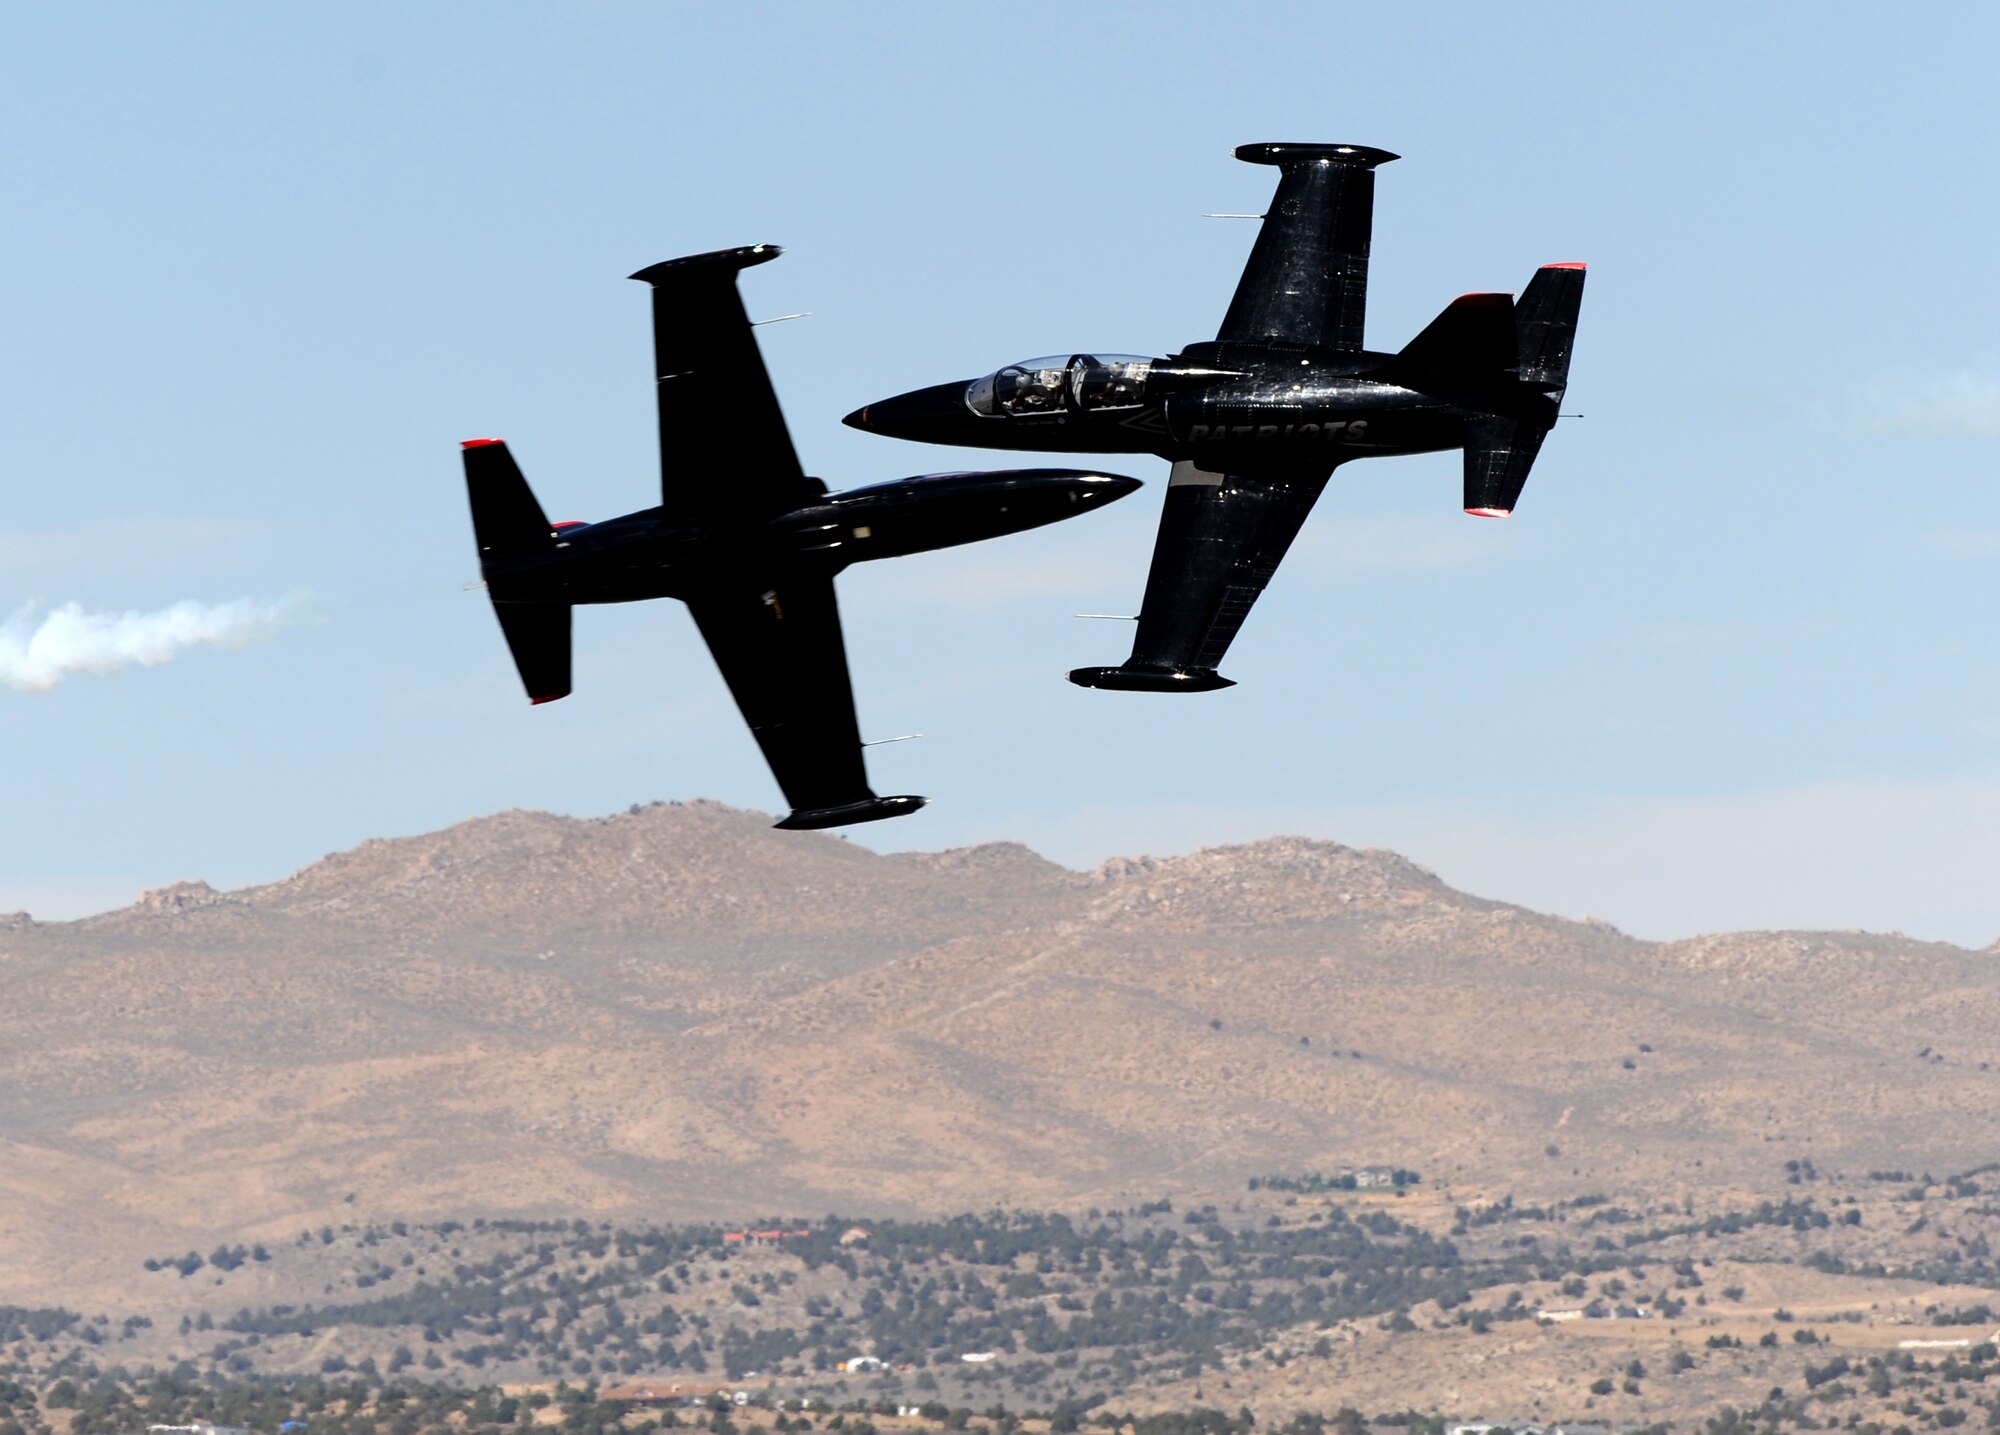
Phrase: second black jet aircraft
(1256, 421)
(745, 538)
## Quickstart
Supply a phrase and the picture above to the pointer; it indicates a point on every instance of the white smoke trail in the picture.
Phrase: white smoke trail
(38, 652)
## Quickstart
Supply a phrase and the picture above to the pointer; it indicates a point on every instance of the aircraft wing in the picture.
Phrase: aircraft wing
(778, 643)
(1307, 279)
(1221, 539)
(725, 453)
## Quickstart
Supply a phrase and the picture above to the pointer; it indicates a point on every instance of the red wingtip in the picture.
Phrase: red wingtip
(1480, 300)
(1571, 264)
(481, 442)
(1490, 512)
(552, 697)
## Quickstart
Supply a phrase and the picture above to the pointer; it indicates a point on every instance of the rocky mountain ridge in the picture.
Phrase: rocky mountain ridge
(676, 1012)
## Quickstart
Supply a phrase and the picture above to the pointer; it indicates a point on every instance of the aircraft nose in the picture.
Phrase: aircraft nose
(919, 414)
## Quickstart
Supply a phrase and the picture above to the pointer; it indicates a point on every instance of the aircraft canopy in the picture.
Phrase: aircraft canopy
(1054, 385)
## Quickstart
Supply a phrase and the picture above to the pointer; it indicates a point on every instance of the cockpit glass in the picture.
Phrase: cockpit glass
(1109, 381)
(1052, 385)
(1034, 387)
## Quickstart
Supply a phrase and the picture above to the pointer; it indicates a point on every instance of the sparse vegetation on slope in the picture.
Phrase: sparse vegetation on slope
(1296, 1305)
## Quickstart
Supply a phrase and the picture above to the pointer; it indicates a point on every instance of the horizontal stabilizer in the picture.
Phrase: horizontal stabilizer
(873, 809)
(1473, 339)
(1498, 454)
(506, 518)
(1545, 321)
(538, 636)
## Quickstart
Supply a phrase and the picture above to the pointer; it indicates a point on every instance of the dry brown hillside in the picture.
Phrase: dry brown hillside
(678, 1013)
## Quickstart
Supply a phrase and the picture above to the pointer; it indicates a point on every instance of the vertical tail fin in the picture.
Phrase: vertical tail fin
(1475, 338)
(1545, 324)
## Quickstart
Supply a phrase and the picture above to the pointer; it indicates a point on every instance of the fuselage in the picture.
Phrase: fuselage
(648, 554)
(1207, 404)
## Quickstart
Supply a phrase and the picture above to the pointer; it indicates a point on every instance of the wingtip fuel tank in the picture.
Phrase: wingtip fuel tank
(1282, 154)
(873, 809)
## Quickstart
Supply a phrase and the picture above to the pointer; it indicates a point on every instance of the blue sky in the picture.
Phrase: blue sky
(1732, 664)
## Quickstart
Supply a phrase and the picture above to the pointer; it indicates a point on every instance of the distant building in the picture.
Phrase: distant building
(854, 1235)
(661, 1392)
(862, 1363)
(760, 1238)
(646, 1394)
(977, 1357)
(1596, 1310)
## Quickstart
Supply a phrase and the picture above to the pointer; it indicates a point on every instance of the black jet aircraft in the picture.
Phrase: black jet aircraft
(1256, 421)
(745, 539)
